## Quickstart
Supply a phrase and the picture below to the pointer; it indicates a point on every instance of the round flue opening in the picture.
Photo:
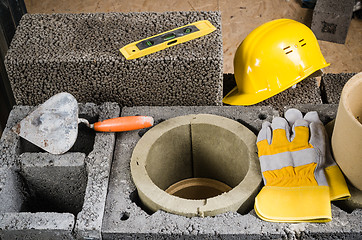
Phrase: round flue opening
(197, 151)
(189, 164)
(197, 188)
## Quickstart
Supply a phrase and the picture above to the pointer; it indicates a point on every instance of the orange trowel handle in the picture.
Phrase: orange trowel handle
(122, 124)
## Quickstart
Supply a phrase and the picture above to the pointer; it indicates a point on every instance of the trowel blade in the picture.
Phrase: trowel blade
(53, 126)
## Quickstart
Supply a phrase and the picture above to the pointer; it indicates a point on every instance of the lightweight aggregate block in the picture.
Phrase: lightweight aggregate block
(56, 196)
(126, 218)
(332, 85)
(331, 19)
(79, 54)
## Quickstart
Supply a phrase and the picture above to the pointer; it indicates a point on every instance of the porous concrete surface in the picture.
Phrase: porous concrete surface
(332, 85)
(331, 19)
(10, 198)
(125, 217)
(305, 91)
(36, 226)
(79, 54)
(52, 224)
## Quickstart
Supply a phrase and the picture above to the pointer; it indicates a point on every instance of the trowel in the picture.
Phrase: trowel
(53, 126)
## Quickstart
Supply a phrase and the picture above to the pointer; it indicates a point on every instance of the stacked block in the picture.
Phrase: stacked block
(79, 54)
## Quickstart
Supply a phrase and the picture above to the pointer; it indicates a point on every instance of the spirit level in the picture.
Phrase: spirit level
(167, 39)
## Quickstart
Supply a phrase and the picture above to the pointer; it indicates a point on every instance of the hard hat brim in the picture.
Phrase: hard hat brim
(234, 97)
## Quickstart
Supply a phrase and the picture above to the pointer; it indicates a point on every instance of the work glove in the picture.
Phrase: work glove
(299, 173)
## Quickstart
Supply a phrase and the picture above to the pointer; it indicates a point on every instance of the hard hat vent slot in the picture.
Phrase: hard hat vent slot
(286, 48)
(303, 43)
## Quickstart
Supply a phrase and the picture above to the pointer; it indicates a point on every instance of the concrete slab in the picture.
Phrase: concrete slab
(56, 196)
(126, 218)
(331, 19)
(79, 54)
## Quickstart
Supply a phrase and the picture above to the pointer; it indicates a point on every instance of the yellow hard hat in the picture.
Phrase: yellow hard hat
(272, 58)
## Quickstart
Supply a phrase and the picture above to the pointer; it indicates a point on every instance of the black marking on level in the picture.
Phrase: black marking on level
(153, 41)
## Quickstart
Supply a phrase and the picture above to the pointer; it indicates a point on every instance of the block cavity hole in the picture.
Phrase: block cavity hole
(202, 162)
(53, 183)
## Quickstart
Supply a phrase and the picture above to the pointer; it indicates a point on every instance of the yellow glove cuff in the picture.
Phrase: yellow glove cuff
(294, 204)
(338, 189)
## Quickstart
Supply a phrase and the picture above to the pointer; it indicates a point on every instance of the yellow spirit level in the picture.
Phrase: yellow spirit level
(167, 39)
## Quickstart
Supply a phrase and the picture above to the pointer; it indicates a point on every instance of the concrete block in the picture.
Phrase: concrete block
(79, 54)
(332, 85)
(56, 196)
(126, 218)
(331, 20)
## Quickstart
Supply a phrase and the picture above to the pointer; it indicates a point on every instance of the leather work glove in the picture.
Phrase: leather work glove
(299, 173)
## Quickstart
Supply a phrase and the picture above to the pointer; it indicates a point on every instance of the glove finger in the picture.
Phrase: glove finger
(318, 136)
(312, 117)
(302, 135)
(293, 115)
(280, 123)
(265, 133)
